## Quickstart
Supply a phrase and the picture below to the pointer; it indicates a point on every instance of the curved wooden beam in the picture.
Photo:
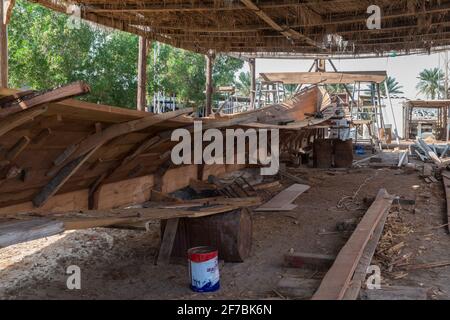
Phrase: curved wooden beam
(100, 138)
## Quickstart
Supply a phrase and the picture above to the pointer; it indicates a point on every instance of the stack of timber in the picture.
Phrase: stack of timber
(60, 155)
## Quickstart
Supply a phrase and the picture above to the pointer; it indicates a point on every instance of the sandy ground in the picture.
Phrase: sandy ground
(119, 264)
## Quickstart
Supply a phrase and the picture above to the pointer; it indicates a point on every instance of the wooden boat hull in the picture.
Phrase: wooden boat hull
(73, 155)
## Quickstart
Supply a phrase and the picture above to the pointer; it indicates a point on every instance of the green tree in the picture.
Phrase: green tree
(430, 83)
(243, 84)
(45, 52)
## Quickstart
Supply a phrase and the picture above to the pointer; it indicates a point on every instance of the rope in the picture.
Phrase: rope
(348, 201)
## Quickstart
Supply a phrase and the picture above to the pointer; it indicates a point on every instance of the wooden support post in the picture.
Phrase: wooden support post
(209, 82)
(167, 242)
(142, 74)
(252, 65)
(3, 46)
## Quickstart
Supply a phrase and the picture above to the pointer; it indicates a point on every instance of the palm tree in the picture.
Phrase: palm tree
(393, 86)
(430, 83)
(338, 88)
(244, 83)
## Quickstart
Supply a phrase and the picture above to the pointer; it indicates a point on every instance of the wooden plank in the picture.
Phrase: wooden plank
(125, 192)
(402, 159)
(284, 30)
(396, 293)
(17, 149)
(360, 274)
(62, 177)
(325, 77)
(429, 152)
(282, 201)
(337, 280)
(297, 288)
(19, 119)
(55, 95)
(105, 218)
(167, 241)
(302, 260)
(18, 232)
(446, 181)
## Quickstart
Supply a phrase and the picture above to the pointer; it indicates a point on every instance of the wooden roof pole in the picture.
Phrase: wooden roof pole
(209, 82)
(252, 65)
(284, 30)
(5, 11)
(142, 74)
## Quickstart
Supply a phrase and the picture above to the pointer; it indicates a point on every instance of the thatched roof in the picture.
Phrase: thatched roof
(309, 27)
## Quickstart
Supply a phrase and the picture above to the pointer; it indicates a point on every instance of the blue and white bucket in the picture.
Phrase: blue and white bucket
(204, 269)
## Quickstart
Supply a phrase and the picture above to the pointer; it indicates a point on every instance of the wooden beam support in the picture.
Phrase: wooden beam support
(284, 30)
(209, 83)
(142, 74)
(62, 177)
(167, 241)
(252, 65)
(337, 280)
(4, 44)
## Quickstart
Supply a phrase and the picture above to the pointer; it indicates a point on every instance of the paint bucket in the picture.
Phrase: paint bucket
(204, 269)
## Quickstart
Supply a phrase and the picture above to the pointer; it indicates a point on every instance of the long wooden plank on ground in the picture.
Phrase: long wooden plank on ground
(360, 274)
(337, 280)
(446, 181)
(283, 200)
(55, 95)
(17, 232)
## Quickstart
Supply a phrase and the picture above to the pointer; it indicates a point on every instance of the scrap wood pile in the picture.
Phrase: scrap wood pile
(431, 153)
(392, 253)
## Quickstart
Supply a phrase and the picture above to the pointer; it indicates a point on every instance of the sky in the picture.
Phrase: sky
(405, 69)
